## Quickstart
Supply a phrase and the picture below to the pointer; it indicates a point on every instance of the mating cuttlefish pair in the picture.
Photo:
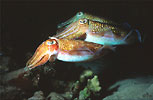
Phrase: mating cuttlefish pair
(82, 38)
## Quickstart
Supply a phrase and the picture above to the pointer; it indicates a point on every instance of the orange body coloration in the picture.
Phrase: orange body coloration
(43, 53)
(65, 50)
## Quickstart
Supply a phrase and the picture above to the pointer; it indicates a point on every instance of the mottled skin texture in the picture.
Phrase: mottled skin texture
(72, 45)
(101, 29)
(51, 48)
(85, 27)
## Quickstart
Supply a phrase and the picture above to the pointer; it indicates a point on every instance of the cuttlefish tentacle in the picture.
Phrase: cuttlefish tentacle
(65, 50)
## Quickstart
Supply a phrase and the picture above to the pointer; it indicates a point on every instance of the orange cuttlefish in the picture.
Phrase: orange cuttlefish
(65, 50)
(100, 33)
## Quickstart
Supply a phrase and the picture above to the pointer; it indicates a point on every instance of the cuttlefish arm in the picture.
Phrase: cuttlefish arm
(75, 30)
(46, 51)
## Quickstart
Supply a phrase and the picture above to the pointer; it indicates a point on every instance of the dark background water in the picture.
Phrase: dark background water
(25, 24)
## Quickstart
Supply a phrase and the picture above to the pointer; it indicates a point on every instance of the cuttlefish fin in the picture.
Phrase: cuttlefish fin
(110, 47)
(81, 51)
(109, 34)
(92, 54)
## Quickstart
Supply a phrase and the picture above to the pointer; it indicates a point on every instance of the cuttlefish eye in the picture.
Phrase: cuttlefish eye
(83, 21)
(51, 42)
(79, 13)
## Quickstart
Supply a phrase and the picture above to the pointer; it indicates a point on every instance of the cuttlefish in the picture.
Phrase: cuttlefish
(81, 15)
(65, 50)
(83, 38)
(100, 33)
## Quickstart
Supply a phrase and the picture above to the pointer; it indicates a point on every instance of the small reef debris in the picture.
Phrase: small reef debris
(86, 86)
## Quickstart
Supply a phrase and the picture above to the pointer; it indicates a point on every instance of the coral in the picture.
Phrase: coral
(85, 74)
(91, 87)
(82, 89)
(84, 94)
(93, 84)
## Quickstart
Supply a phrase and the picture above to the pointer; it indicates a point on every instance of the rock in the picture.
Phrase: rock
(133, 89)
(54, 96)
(11, 93)
(38, 95)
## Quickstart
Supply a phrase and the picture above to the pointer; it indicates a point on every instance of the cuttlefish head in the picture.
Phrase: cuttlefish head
(43, 53)
(74, 30)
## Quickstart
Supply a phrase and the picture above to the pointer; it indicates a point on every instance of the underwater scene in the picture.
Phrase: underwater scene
(80, 50)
